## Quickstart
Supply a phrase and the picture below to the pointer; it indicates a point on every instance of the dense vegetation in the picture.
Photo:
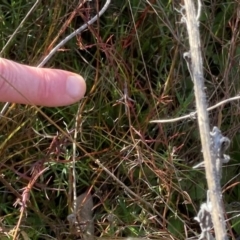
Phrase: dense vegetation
(132, 60)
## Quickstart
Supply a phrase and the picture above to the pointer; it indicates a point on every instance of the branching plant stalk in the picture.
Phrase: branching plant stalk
(193, 115)
(203, 120)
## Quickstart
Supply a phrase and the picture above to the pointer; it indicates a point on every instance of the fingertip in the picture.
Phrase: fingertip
(75, 87)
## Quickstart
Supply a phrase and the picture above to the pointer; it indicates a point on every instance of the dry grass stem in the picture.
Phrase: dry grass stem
(203, 120)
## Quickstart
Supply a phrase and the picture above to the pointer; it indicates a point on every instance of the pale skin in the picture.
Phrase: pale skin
(39, 86)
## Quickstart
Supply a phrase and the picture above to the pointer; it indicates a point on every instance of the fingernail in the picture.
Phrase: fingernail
(74, 87)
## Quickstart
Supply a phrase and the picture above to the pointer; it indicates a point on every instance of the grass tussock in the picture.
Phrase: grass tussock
(132, 59)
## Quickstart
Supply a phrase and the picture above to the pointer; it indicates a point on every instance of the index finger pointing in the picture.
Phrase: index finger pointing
(40, 86)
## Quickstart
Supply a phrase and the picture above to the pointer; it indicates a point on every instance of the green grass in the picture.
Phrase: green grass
(137, 46)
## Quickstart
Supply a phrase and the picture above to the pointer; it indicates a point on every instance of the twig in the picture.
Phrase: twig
(192, 115)
(203, 121)
(73, 34)
(73, 165)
